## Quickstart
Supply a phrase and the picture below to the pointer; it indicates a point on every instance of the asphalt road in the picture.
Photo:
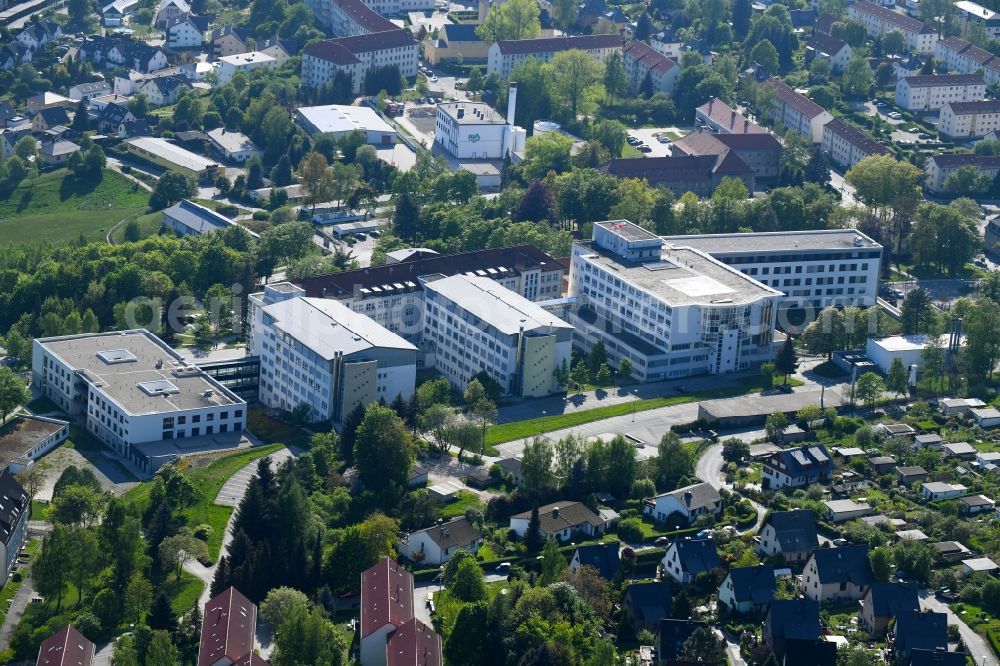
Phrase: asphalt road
(980, 651)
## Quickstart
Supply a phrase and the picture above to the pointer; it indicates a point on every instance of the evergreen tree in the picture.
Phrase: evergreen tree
(742, 13)
(281, 174)
(349, 431)
(159, 527)
(787, 361)
(161, 615)
(817, 169)
(81, 121)
(221, 579)
(406, 217)
(188, 636)
(533, 537)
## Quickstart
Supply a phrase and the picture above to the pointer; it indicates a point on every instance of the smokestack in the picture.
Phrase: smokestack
(511, 102)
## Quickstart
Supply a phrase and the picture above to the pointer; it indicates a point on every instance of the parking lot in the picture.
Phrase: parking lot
(648, 135)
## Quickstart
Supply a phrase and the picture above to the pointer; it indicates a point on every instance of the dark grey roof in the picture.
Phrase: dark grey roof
(672, 634)
(457, 532)
(957, 160)
(810, 653)
(810, 461)
(926, 631)
(13, 503)
(803, 18)
(935, 80)
(697, 555)
(197, 218)
(650, 601)
(890, 599)
(911, 470)
(939, 657)
(882, 460)
(460, 32)
(797, 618)
(794, 530)
(602, 556)
(847, 564)
(754, 584)
(823, 43)
(54, 115)
(559, 516)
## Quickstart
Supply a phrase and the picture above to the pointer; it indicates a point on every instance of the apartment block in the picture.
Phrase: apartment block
(320, 353)
(973, 16)
(474, 324)
(797, 112)
(641, 60)
(847, 145)
(818, 269)
(505, 55)
(672, 309)
(931, 92)
(130, 389)
(958, 55)
(680, 173)
(879, 20)
(357, 55)
(761, 153)
(962, 120)
(939, 167)
(825, 47)
(717, 116)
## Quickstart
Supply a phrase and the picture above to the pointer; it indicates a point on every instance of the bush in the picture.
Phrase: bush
(228, 210)
(630, 530)
(643, 488)
(203, 532)
(261, 215)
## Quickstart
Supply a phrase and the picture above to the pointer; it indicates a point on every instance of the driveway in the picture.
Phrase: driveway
(976, 645)
(20, 601)
(709, 469)
(113, 477)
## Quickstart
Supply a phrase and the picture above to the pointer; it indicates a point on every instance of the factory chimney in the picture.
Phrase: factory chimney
(511, 102)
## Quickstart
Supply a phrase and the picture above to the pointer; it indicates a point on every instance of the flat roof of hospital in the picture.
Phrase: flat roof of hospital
(139, 372)
(776, 241)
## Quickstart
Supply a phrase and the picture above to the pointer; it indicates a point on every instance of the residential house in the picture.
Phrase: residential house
(56, 151)
(186, 31)
(9, 138)
(279, 49)
(163, 90)
(760, 152)
(13, 54)
(930, 92)
(717, 116)
(960, 450)
(229, 40)
(841, 510)
(895, 430)
(847, 145)
(645, 604)
(986, 417)
(797, 112)
(604, 557)
(950, 551)
(670, 638)
(837, 573)
(228, 628)
(884, 601)
(747, 588)
(37, 35)
(917, 630)
(66, 647)
(987, 458)
(937, 657)
(910, 474)
(817, 652)
(683, 173)
(882, 464)
(234, 146)
(939, 490)
(791, 534)
(436, 545)
(931, 440)
(511, 467)
(879, 20)
(952, 406)
(686, 558)
(170, 9)
(798, 467)
(832, 49)
(689, 502)
(560, 520)
(790, 620)
(939, 167)
(641, 61)
(229, 66)
(112, 117)
(88, 91)
(504, 55)
(48, 118)
(970, 505)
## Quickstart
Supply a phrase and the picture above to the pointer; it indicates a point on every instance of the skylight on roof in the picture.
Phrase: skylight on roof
(114, 356)
(158, 387)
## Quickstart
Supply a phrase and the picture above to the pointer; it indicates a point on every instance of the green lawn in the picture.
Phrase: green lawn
(58, 208)
(40, 510)
(149, 225)
(183, 593)
(464, 500)
(507, 432)
(207, 481)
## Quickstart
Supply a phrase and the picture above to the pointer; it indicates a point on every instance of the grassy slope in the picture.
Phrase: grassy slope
(57, 208)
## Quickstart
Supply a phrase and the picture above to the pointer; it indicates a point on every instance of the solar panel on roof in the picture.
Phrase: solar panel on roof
(818, 454)
(800, 457)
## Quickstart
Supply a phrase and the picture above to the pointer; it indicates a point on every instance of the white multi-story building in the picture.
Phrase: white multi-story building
(797, 112)
(826, 47)
(186, 31)
(931, 92)
(320, 353)
(811, 268)
(641, 60)
(972, 16)
(847, 145)
(243, 62)
(879, 20)
(958, 55)
(961, 120)
(505, 55)
(346, 18)
(476, 130)
(472, 324)
(939, 167)
(131, 388)
(673, 310)
(357, 55)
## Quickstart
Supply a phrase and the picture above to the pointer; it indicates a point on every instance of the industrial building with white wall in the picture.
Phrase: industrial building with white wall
(473, 130)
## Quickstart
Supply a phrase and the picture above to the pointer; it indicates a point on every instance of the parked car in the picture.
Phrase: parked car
(895, 115)
(839, 543)
(644, 149)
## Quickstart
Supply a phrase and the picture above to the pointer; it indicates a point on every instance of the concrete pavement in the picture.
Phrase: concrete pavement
(17, 605)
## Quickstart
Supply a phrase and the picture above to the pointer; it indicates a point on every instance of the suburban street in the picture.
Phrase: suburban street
(979, 650)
